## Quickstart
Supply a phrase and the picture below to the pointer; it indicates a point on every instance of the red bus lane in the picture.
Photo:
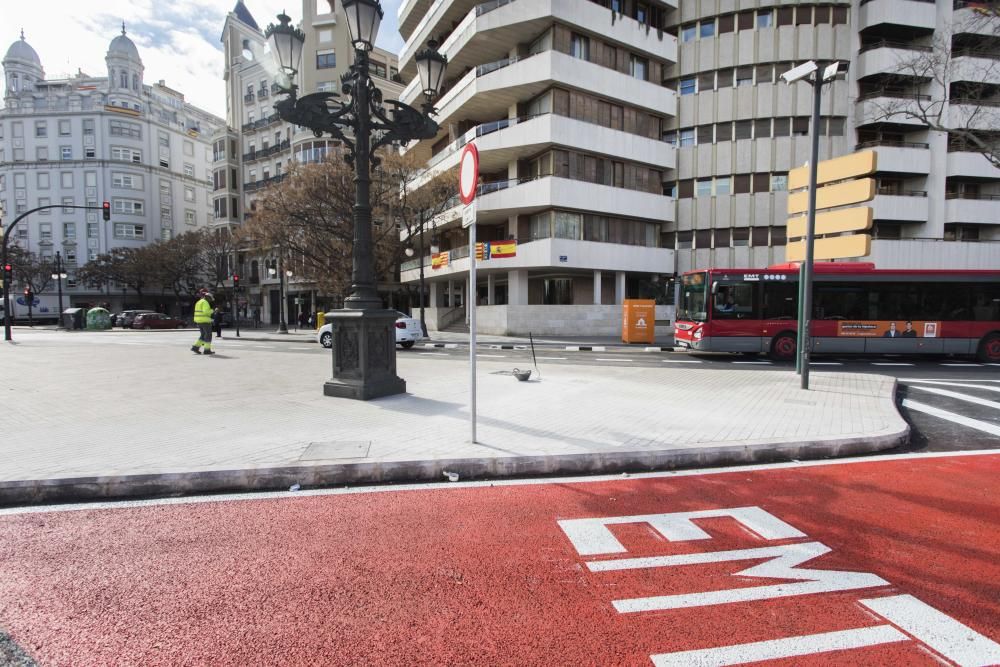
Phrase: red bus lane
(876, 562)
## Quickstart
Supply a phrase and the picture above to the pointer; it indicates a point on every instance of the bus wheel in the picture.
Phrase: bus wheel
(783, 348)
(989, 349)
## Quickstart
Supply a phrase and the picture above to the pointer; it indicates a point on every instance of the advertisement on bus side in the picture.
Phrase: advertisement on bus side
(888, 329)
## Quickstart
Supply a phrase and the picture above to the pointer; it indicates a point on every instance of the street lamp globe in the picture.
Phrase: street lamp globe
(431, 66)
(285, 42)
(409, 251)
(288, 273)
(363, 19)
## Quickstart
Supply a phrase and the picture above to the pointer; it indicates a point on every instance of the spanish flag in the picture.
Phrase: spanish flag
(501, 249)
(439, 260)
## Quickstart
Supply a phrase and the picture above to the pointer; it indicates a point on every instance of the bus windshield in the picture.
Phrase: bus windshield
(694, 289)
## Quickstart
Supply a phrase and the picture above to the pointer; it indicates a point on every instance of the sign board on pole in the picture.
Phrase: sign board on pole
(468, 174)
(469, 215)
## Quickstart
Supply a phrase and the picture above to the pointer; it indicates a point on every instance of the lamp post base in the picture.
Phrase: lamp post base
(364, 355)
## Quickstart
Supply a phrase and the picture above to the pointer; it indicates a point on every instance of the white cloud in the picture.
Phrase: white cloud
(178, 41)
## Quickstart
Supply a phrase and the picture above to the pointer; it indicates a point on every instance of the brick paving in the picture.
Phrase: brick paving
(79, 409)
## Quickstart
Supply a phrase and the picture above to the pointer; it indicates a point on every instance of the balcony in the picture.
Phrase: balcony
(906, 206)
(901, 107)
(887, 57)
(975, 114)
(263, 93)
(505, 141)
(934, 254)
(975, 209)
(968, 18)
(909, 13)
(566, 254)
(975, 66)
(486, 31)
(492, 88)
(970, 163)
(900, 156)
(252, 186)
(248, 98)
(409, 14)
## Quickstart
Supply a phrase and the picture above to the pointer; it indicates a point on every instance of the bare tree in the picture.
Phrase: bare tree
(135, 268)
(31, 270)
(961, 70)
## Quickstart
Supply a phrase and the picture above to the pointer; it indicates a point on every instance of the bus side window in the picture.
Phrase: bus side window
(780, 300)
(735, 301)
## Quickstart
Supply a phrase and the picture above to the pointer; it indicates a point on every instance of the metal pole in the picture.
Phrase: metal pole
(282, 323)
(6, 287)
(472, 323)
(807, 274)
(423, 322)
(364, 295)
(59, 283)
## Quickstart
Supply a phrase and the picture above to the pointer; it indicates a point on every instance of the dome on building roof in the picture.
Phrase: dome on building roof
(21, 50)
(122, 45)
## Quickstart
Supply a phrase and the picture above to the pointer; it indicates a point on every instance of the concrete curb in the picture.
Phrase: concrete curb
(279, 478)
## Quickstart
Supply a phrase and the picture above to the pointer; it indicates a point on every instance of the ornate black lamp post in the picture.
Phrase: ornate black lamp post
(364, 348)
(58, 274)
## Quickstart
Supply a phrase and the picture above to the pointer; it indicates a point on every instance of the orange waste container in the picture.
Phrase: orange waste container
(638, 321)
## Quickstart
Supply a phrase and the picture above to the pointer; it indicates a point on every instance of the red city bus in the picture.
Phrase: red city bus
(857, 309)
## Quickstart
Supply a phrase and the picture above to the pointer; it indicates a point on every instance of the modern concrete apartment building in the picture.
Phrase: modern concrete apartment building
(255, 149)
(623, 141)
(566, 102)
(84, 139)
(739, 128)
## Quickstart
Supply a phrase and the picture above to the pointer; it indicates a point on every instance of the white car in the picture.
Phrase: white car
(408, 332)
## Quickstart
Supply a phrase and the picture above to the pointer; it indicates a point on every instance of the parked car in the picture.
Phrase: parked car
(127, 316)
(408, 332)
(156, 321)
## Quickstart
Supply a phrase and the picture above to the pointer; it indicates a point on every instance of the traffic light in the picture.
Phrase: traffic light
(8, 272)
(236, 281)
(28, 295)
(106, 210)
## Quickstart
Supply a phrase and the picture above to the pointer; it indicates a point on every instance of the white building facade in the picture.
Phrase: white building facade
(86, 139)
(623, 141)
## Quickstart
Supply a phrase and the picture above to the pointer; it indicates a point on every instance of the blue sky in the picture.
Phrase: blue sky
(177, 40)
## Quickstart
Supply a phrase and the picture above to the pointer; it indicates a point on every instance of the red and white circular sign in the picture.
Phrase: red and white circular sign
(468, 174)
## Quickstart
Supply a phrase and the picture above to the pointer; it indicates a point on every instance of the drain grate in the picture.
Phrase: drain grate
(336, 449)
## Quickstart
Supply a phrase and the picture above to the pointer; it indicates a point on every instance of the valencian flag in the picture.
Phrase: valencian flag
(482, 251)
(501, 249)
(439, 260)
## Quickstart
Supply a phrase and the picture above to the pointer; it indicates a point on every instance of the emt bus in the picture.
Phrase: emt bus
(857, 309)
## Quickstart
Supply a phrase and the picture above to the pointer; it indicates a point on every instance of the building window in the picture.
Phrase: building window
(43, 180)
(189, 170)
(706, 29)
(689, 32)
(127, 181)
(722, 185)
(125, 154)
(121, 128)
(89, 153)
(744, 76)
(69, 230)
(579, 46)
(64, 128)
(128, 207)
(66, 152)
(703, 187)
(705, 134)
(66, 179)
(687, 137)
(326, 59)
(188, 194)
(779, 182)
(800, 126)
(41, 128)
(189, 218)
(45, 231)
(163, 139)
(127, 230)
(724, 78)
(639, 68)
(743, 129)
(688, 86)
(42, 153)
(92, 230)
(377, 68)
(88, 126)
(764, 18)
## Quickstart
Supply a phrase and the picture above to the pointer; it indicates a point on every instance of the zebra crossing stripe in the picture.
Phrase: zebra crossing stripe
(985, 427)
(946, 383)
(962, 397)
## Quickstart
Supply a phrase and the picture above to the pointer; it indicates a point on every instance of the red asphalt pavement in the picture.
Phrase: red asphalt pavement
(486, 575)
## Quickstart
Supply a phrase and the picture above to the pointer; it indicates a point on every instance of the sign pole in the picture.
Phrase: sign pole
(472, 318)
(468, 182)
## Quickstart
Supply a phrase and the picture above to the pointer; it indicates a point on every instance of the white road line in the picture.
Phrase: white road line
(957, 395)
(271, 495)
(492, 356)
(985, 427)
(963, 365)
(302, 348)
(435, 354)
(825, 363)
(889, 363)
(619, 359)
(681, 361)
(764, 363)
(787, 647)
(947, 383)
(554, 358)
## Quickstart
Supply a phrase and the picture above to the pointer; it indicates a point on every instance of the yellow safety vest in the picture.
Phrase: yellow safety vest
(203, 312)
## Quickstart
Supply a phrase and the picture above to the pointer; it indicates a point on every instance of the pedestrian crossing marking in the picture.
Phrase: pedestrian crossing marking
(948, 383)
(962, 397)
(985, 427)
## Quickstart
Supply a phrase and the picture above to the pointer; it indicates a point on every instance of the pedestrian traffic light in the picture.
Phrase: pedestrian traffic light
(236, 281)
(106, 210)
(28, 295)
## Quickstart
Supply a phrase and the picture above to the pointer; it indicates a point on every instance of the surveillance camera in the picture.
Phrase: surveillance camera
(835, 69)
(799, 73)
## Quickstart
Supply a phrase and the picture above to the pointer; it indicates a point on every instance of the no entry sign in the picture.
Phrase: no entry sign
(468, 174)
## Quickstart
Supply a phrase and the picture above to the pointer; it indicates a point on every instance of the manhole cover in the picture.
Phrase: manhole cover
(336, 449)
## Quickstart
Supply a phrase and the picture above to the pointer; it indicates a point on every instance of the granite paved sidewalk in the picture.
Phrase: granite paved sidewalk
(88, 421)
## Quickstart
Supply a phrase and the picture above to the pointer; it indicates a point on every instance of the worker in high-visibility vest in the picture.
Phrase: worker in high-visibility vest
(203, 320)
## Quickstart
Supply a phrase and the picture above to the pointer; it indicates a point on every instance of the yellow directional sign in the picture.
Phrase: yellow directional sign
(830, 247)
(829, 196)
(854, 219)
(837, 169)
